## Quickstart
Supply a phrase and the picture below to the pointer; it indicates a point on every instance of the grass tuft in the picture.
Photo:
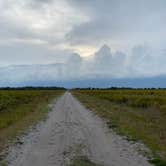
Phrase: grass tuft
(158, 162)
(82, 161)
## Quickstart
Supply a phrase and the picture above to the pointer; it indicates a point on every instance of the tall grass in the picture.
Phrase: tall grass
(133, 98)
(20, 109)
(138, 114)
(14, 105)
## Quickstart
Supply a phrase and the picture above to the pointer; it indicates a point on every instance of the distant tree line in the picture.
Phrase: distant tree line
(33, 88)
(62, 88)
(118, 88)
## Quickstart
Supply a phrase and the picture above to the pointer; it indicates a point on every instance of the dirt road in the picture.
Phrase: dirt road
(71, 130)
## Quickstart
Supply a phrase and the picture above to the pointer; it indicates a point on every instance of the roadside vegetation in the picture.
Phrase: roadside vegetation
(19, 109)
(137, 114)
(82, 161)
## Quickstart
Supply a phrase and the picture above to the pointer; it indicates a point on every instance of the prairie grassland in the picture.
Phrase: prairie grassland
(20, 109)
(137, 114)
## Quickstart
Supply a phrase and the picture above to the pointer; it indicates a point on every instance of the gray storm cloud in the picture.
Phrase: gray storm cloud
(128, 21)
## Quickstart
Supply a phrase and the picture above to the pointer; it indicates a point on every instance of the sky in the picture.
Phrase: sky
(70, 40)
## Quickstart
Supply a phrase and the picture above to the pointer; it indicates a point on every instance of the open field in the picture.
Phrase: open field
(137, 114)
(20, 109)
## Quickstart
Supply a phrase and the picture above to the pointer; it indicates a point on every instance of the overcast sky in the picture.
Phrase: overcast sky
(86, 38)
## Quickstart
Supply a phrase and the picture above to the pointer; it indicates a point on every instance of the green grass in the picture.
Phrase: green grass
(82, 161)
(138, 114)
(158, 162)
(19, 109)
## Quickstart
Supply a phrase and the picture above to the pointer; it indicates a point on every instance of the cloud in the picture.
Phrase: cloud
(109, 64)
(119, 23)
(39, 3)
(37, 33)
(103, 57)
(46, 21)
(105, 64)
(124, 22)
(24, 53)
(74, 66)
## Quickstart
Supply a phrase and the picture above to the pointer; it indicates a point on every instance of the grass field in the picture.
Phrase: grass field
(20, 109)
(137, 114)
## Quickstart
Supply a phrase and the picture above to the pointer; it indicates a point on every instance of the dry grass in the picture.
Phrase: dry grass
(22, 109)
(138, 114)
